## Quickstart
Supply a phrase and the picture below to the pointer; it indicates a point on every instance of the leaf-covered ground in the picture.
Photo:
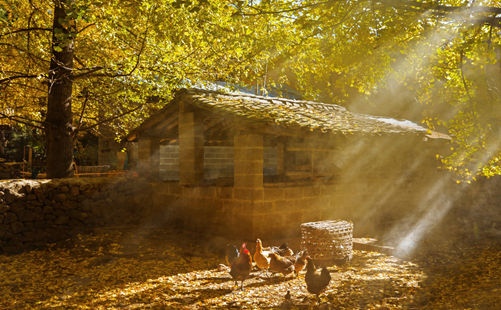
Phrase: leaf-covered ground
(134, 269)
(462, 278)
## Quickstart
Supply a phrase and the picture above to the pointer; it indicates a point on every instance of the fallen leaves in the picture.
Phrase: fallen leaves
(134, 269)
(470, 278)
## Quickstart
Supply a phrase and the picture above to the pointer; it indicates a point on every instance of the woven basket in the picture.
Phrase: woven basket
(328, 241)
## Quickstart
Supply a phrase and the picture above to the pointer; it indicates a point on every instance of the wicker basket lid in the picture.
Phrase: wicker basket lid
(329, 225)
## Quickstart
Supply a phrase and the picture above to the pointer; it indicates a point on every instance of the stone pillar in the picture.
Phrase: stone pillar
(191, 147)
(248, 161)
(149, 156)
(248, 183)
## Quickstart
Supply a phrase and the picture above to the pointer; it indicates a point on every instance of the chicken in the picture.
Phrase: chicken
(317, 280)
(288, 296)
(241, 267)
(284, 250)
(300, 261)
(261, 257)
(287, 303)
(279, 264)
(231, 254)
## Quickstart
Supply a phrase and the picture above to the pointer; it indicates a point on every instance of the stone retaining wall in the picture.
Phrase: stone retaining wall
(33, 212)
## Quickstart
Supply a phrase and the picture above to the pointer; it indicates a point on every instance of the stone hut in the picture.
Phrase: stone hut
(250, 166)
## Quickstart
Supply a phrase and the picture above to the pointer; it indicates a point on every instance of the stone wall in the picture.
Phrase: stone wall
(10, 170)
(33, 212)
(276, 209)
(374, 205)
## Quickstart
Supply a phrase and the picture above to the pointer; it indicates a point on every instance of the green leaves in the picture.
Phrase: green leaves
(3, 14)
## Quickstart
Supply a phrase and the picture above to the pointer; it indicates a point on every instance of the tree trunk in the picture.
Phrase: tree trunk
(58, 123)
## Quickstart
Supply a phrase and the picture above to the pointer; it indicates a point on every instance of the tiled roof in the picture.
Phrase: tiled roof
(315, 116)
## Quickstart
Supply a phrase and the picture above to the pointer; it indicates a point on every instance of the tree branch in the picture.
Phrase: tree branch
(22, 120)
(23, 76)
(112, 118)
(466, 88)
(24, 51)
(88, 26)
(443, 8)
(297, 8)
(478, 14)
(91, 70)
(25, 30)
(84, 105)
(113, 75)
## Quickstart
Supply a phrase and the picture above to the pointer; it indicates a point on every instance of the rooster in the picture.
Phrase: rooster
(317, 280)
(279, 264)
(231, 254)
(241, 267)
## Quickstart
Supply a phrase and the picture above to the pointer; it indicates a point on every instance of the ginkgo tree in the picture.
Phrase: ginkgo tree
(71, 65)
(437, 62)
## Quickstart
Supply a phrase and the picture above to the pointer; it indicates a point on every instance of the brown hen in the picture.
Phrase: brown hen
(317, 280)
(300, 261)
(261, 257)
(279, 264)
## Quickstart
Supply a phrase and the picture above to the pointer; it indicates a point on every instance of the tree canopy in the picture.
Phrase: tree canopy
(437, 62)
(125, 51)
